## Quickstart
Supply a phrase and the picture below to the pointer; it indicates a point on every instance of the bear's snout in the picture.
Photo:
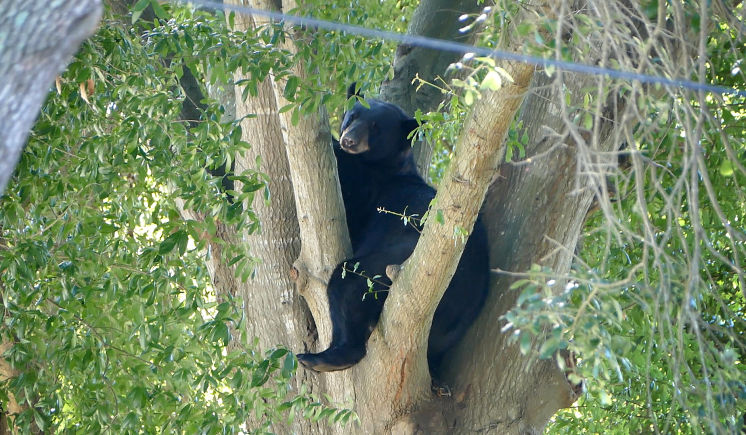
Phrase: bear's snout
(354, 140)
(348, 142)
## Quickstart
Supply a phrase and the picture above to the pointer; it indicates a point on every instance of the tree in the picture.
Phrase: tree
(124, 286)
(30, 60)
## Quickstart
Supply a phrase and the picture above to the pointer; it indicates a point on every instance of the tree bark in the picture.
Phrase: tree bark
(299, 162)
(37, 41)
(434, 19)
(400, 400)
(533, 215)
(11, 407)
(534, 212)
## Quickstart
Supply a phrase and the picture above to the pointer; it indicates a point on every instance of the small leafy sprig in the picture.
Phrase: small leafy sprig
(369, 280)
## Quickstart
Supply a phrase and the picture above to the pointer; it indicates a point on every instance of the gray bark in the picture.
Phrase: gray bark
(37, 41)
(534, 212)
(434, 19)
(400, 400)
(534, 215)
(290, 282)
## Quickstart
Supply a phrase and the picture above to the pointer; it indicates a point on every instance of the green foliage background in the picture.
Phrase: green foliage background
(107, 299)
(105, 291)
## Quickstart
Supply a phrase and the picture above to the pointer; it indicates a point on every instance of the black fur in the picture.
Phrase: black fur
(376, 170)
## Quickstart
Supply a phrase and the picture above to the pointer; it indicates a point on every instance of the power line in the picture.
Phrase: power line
(457, 47)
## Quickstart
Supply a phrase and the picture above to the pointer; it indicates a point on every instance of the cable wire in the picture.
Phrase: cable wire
(457, 47)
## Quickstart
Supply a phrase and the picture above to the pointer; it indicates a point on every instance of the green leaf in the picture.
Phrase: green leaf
(222, 333)
(726, 168)
(290, 364)
(469, 98)
(137, 397)
(179, 238)
(491, 81)
(291, 87)
(525, 343)
(158, 10)
(138, 9)
(260, 375)
(107, 228)
(588, 121)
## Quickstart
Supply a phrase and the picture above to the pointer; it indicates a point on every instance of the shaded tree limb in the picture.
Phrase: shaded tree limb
(38, 41)
(434, 19)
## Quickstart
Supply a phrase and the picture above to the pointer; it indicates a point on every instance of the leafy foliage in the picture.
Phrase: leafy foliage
(106, 297)
(108, 304)
(655, 305)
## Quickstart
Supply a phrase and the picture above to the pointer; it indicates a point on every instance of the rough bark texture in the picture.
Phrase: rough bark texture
(277, 244)
(401, 338)
(400, 399)
(434, 19)
(300, 164)
(38, 39)
(534, 213)
(11, 407)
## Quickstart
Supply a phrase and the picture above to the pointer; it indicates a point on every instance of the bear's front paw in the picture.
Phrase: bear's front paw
(329, 360)
(307, 360)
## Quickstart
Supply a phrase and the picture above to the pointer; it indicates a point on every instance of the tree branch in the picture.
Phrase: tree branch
(38, 41)
(408, 312)
(434, 19)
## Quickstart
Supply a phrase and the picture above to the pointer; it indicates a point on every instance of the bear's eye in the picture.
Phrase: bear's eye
(349, 117)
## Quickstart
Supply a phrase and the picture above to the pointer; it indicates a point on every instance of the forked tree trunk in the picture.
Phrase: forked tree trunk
(390, 388)
(534, 212)
(38, 39)
(288, 152)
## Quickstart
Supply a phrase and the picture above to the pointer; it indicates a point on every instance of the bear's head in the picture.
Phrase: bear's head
(377, 133)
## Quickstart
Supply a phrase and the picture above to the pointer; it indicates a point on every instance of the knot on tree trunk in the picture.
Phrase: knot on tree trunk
(429, 418)
(392, 271)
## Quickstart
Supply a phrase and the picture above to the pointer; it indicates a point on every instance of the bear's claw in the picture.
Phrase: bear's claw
(330, 360)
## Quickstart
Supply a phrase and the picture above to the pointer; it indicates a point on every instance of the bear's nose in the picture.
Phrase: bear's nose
(348, 142)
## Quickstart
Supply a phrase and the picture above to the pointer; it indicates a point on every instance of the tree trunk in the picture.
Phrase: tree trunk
(534, 212)
(291, 156)
(37, 42)
(400, 399)
(434, 19)
(11, 407)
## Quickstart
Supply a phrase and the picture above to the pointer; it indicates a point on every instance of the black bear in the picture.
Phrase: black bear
(377, 172)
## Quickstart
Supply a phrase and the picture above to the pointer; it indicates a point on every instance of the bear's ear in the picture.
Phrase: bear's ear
(408, 125)
(352, 91)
